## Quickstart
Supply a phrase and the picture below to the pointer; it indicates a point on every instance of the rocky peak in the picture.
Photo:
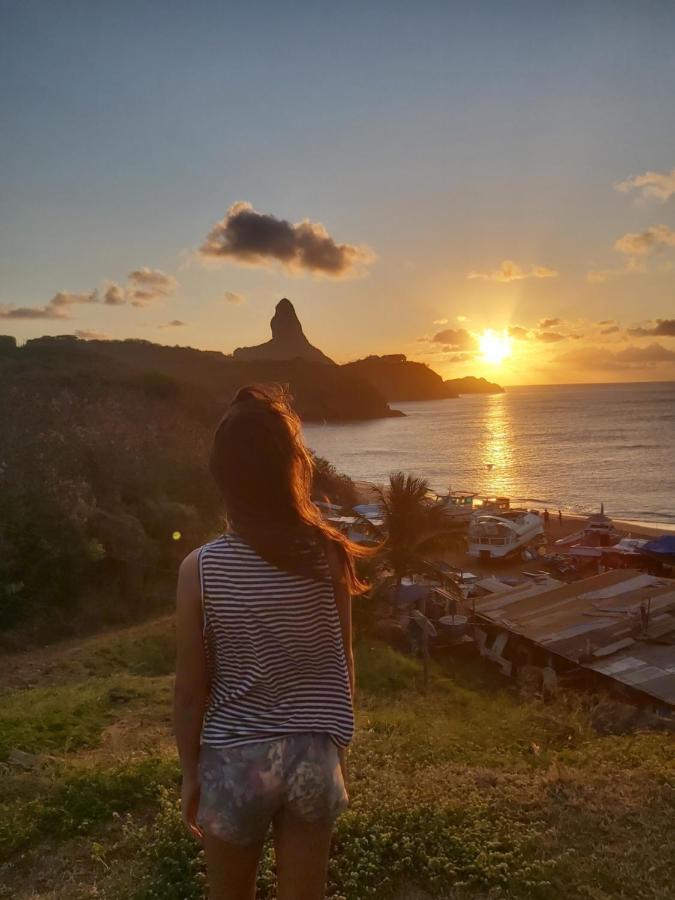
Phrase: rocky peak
(288, 339)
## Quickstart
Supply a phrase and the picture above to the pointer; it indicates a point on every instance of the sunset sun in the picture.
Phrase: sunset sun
(495, 346)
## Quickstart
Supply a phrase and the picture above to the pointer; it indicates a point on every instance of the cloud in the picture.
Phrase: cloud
(650, 354)
(461, 318)
(456, 339)
(663, 328)
(652, 184)
(231, 297)
(91, 335)
(644, 242)
(631, 266)
(550, 337)
(549, 323)
(630, 357)
(459, 357)
(114, 294)
(32, 312)
(440, 321)
(611, 329)
(147, 285)
(57, 308)
(518, 332)
(174, 323)
(247, 236)
(511, 271)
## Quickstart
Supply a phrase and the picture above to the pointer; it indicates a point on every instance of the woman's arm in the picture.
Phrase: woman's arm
(191, 690)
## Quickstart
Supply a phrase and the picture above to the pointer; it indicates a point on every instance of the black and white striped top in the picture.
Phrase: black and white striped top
(274, 649)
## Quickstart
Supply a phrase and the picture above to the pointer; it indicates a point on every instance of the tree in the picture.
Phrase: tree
(413, 525)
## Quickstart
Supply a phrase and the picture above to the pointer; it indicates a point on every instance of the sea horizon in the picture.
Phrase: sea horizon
(554, 446)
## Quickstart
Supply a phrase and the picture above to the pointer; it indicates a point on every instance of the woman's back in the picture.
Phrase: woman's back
(274, 649)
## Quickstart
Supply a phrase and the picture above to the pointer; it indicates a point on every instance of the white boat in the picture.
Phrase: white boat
(599, 531)
(498, 536)
(462, 505)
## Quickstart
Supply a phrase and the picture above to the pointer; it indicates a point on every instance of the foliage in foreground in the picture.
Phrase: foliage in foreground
(467, 792)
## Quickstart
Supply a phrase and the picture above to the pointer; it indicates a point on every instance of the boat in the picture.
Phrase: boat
(499, 536)
(598, 532)
(460, 506)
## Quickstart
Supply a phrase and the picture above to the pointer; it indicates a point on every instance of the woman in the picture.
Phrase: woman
(263, 708)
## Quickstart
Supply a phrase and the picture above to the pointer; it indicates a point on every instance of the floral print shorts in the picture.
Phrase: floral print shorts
(243, 787)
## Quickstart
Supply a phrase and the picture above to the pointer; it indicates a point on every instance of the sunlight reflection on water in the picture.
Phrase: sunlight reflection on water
(567, 446)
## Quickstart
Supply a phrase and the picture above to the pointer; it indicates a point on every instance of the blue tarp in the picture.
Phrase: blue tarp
(662, 546)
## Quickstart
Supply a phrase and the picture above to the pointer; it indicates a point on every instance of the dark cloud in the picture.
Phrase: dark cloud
(232, 297)
(57, 308)
(247, 236)
(549, 323)
(550, 337)
(663, 328)
(455, 339)
(612, 329)
(174, 323)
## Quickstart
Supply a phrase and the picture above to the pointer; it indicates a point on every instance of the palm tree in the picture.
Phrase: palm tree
(413, 524)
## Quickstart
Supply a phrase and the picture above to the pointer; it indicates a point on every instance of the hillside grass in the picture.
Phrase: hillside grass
(465, 792)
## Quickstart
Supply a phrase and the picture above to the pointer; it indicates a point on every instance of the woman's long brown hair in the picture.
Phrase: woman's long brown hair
(264, 471)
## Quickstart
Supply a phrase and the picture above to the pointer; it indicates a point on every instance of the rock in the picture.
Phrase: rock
(472, 385)
(288, 340)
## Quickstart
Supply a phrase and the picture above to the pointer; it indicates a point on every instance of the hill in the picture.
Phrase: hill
(398, 378)
(321, 392)
(466, 792)
(104, 481)
(472, 385)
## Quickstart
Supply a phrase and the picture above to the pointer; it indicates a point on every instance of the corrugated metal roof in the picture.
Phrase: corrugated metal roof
(599, 622)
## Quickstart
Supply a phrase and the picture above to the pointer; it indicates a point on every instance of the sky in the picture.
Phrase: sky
(409, 175)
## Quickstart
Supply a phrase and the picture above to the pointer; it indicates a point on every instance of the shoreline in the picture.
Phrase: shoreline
(571, 521)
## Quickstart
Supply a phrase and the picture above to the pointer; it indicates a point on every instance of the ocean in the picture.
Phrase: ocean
(568, 447)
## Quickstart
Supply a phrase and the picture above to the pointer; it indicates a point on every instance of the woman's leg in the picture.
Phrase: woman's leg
(231, 870)
(302, 857)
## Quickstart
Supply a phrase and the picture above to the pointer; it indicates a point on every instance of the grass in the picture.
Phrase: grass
(465, 792)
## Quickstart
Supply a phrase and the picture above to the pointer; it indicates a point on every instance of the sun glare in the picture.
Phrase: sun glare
(495, 346)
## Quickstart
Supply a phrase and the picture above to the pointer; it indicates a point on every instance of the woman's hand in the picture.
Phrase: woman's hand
(189, 804)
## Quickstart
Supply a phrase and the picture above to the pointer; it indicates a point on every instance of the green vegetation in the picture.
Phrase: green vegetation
(465, 792)
(413, 526)
(104, 482)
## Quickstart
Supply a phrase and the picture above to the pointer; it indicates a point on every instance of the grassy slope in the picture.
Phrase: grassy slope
(467, 792)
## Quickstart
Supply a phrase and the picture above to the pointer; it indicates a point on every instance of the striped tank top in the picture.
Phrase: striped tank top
(274, 650)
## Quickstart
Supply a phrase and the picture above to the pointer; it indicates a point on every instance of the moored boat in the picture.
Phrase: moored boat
(499, 536)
